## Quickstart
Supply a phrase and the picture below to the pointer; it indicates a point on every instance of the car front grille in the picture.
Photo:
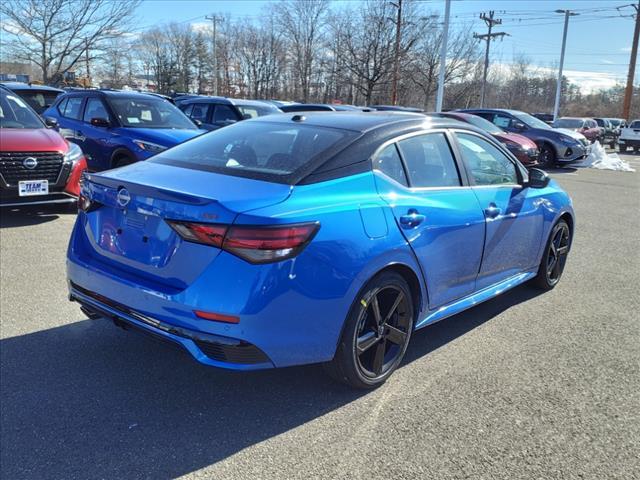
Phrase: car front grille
(13, 170)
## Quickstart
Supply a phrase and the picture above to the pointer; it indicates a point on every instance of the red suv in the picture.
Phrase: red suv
(37, 165)
(586, 126)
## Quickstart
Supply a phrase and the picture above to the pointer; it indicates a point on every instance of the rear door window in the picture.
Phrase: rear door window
(429, 161)
(200, 111)
(224, 113)
(73, 108)
(502, 121)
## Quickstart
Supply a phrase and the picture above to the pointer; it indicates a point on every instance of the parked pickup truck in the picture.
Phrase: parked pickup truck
(630, 137)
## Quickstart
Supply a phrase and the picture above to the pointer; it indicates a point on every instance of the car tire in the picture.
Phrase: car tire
(374, 340)
(547, 156)
(622, 149)
(554, 257)
(122, 160)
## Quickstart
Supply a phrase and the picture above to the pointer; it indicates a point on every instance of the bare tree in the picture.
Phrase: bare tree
(302, 23)
(368, 44)
(424, 66)
(54, 34)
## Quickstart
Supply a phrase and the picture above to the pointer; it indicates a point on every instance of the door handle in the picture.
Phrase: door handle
(412, 219)
(80, 135)
(492, 211)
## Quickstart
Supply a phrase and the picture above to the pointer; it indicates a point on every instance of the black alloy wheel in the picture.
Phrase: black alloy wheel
(547, 157)
(382, 332)
(376, 333)
(555, 256)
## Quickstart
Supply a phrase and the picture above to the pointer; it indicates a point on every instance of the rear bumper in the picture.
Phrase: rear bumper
(213, 350)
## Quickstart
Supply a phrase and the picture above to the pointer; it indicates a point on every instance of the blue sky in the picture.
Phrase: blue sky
(598, 43)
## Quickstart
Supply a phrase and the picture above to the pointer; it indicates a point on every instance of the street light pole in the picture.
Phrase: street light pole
(443, 57)
(556, 107)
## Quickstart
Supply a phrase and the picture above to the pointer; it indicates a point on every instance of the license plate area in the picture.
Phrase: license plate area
(29, 188)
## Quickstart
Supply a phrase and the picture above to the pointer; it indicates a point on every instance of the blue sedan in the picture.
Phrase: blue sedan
(325, 237)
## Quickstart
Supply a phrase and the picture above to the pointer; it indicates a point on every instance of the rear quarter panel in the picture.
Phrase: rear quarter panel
(357, 238)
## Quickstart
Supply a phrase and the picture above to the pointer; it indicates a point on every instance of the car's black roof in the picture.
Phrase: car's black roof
(26, 86)
(492, 110)
(356, 121)
(374, 128)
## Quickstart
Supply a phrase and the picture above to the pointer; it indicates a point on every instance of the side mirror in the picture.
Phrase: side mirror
(197, 122)
(538, 178)
(51, 122)
(100, 122)
(519, 126)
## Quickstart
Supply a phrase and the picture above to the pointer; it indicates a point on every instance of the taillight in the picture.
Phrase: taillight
(86, 204)
(256, 244)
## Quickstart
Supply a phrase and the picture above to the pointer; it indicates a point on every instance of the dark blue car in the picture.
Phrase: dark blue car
(323, 237)
(116, 128)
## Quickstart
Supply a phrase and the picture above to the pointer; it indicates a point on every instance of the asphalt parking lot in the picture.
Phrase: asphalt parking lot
(526, 386)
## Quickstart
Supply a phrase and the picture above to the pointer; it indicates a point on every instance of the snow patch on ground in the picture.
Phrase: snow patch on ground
(600, 159)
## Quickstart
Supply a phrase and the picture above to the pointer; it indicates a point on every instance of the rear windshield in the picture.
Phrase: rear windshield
(256, 110)
(568, 123)
(39, 100)
(262, 150)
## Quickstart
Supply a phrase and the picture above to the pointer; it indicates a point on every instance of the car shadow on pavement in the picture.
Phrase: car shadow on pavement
(89, 400)
(33, 215)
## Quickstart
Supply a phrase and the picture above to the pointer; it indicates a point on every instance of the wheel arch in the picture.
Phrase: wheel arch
(419, 295)
(119, 153)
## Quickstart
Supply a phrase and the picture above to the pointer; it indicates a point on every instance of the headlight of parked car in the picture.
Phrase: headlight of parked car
(149, 146)
(568, 140)
(74, 154)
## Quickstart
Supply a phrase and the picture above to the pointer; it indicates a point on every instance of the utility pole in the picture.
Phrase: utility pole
(628, 92)
(490, 21)
(556, 106)
(86, 61)
(214, 20)
(396, 62)
(443, 57)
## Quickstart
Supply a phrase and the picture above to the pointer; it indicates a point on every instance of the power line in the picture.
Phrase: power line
(488, 37)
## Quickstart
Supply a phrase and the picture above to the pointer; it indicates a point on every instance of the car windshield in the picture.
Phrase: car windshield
(256, 149)
(151, 112)
(15, 113)
(635, 124)
(568, 123)
(485, 125)
(615, 122)
(38, 100)
(254, 110)
(530, 120)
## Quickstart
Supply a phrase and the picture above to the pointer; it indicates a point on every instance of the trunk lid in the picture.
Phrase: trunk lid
(128, 231)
